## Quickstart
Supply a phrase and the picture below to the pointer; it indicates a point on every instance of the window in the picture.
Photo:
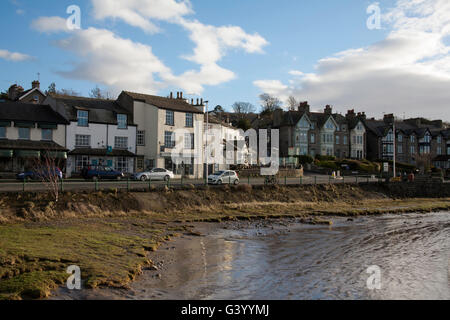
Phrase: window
(82, 140)
(303, 137)
(413, 139)
(338, 138)
(122, 164)
(359, 127)
(140, 164)
(47, 134)
(2, 132)
(329, 125)
(439, 150)
(170, 121)
(313, 125)
(189, 120)
(169, 139)
(140, 138)
(413, 150)
(448, 150)
(400, 148)
(345, 140)
(24, 133)
(313, 138)
(122, 120)
(424, 149)
(121, 142)
(83, 118)
(189, 141)
(81, 162)
(400, 138)
(439, 139)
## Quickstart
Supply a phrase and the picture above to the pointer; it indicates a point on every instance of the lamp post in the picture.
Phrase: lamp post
(395, 148)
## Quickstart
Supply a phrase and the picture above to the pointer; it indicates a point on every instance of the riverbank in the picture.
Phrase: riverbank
(109, 234)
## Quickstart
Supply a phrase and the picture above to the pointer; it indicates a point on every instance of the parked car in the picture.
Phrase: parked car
(221, 177)
(40, 174)
(155, 174)
(101, 173)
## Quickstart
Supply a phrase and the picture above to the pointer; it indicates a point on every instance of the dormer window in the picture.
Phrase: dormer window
(83, 118)
(122, 121)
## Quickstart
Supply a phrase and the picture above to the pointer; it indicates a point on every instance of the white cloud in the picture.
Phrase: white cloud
(118, 63)
(50, 25)
(406, 73)
(14, 56)
(142, 13)
(136, 69)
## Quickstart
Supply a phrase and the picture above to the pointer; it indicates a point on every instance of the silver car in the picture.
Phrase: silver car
(155, 175)
(224, 177)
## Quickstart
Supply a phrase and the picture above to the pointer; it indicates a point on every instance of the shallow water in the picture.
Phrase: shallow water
(304, 262)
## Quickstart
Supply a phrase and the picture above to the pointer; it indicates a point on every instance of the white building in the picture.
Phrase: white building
(100, 132)
(161, 124)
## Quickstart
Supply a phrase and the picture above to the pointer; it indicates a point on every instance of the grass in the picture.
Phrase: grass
(111, 247)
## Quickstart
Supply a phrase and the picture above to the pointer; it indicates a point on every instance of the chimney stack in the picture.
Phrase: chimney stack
(178, 95)
(328, 110)
(197, 102)
(171, 95)
(192, 101)
(181, 94)
(35, 84)
(201, 101)
(304, 107)
(388, 118)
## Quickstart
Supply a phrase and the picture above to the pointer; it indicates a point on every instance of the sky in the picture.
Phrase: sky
(323, 52)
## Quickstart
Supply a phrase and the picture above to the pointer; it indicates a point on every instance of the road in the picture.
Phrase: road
(89, 185)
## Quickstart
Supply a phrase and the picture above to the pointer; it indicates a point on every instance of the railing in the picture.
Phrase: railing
(132, 185)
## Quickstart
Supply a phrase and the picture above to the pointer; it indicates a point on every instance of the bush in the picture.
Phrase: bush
(325, 158)
(305, 159)
(327, 164)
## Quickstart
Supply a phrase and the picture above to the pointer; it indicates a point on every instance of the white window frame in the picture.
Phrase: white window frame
(28, 136)
(47, 130)
(140, 138)
(121, 143)
(82, 140)
(82, 117)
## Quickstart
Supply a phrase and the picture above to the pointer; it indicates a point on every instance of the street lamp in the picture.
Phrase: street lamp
(207, 135)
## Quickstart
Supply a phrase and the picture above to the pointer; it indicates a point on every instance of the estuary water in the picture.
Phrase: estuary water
(297, 261)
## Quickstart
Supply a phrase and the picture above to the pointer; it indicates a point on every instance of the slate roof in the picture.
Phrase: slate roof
(164, 103)
(380, 128)
(15, 111)
(30, 145)
(100, 110)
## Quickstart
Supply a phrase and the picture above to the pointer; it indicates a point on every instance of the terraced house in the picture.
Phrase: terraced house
(99, 132)
(303, 132)
(28, 133)
(158, 119)
(418, 141)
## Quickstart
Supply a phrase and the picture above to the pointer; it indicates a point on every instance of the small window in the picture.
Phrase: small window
(24, 133)
(169, 139)
(122, 121)
(189, 141)
(121, 142)
(170, 121)
(2, 132)
(82, 140)
(189, 120)
(47, 134)
(140, 141)
(83, 118)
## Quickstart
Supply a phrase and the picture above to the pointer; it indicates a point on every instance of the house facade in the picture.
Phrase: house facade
(99, 132)
(28, 133)
(165, 125)
(303, 132)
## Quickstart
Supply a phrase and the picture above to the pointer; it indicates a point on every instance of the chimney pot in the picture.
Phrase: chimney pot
(171, 95)
(197, 101)
(201, 103)
(35, 84)
(181, 95)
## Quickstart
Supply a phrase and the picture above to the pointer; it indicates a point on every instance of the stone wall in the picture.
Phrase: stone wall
(419, 189)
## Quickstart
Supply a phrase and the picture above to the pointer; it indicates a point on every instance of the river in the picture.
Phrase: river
(297, 261)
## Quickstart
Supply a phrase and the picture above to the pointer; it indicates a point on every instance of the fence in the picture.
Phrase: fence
(130, 185)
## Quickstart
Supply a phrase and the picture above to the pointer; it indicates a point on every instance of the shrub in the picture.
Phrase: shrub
(305, 159)
(325, 158)
(327, 164)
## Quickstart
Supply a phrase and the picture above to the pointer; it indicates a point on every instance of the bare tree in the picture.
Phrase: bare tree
(292, 103)
(269, 103)
(68, 92)
(46, 170)
(243, 108)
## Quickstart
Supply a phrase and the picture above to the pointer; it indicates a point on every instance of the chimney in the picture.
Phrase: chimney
(36, 84)
(201, 101)
(350, 114)
(171, 95)
(304, 107)
(197, 102)
(328, 110)
(14, 92)
(181, 95)
(278, 117)
(388, 118)
(178, 95)
(192, 101)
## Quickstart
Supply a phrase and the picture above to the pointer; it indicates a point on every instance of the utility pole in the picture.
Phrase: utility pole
(395, 147)
(207, 136)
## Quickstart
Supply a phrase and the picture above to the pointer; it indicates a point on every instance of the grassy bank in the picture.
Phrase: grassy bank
(109, 234)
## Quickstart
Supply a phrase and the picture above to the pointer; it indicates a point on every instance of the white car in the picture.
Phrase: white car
(224, 177)
(155, 174)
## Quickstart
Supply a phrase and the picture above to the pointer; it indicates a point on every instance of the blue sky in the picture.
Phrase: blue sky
(275, 38)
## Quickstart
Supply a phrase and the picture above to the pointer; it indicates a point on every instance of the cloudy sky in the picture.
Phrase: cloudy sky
(227, 51)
